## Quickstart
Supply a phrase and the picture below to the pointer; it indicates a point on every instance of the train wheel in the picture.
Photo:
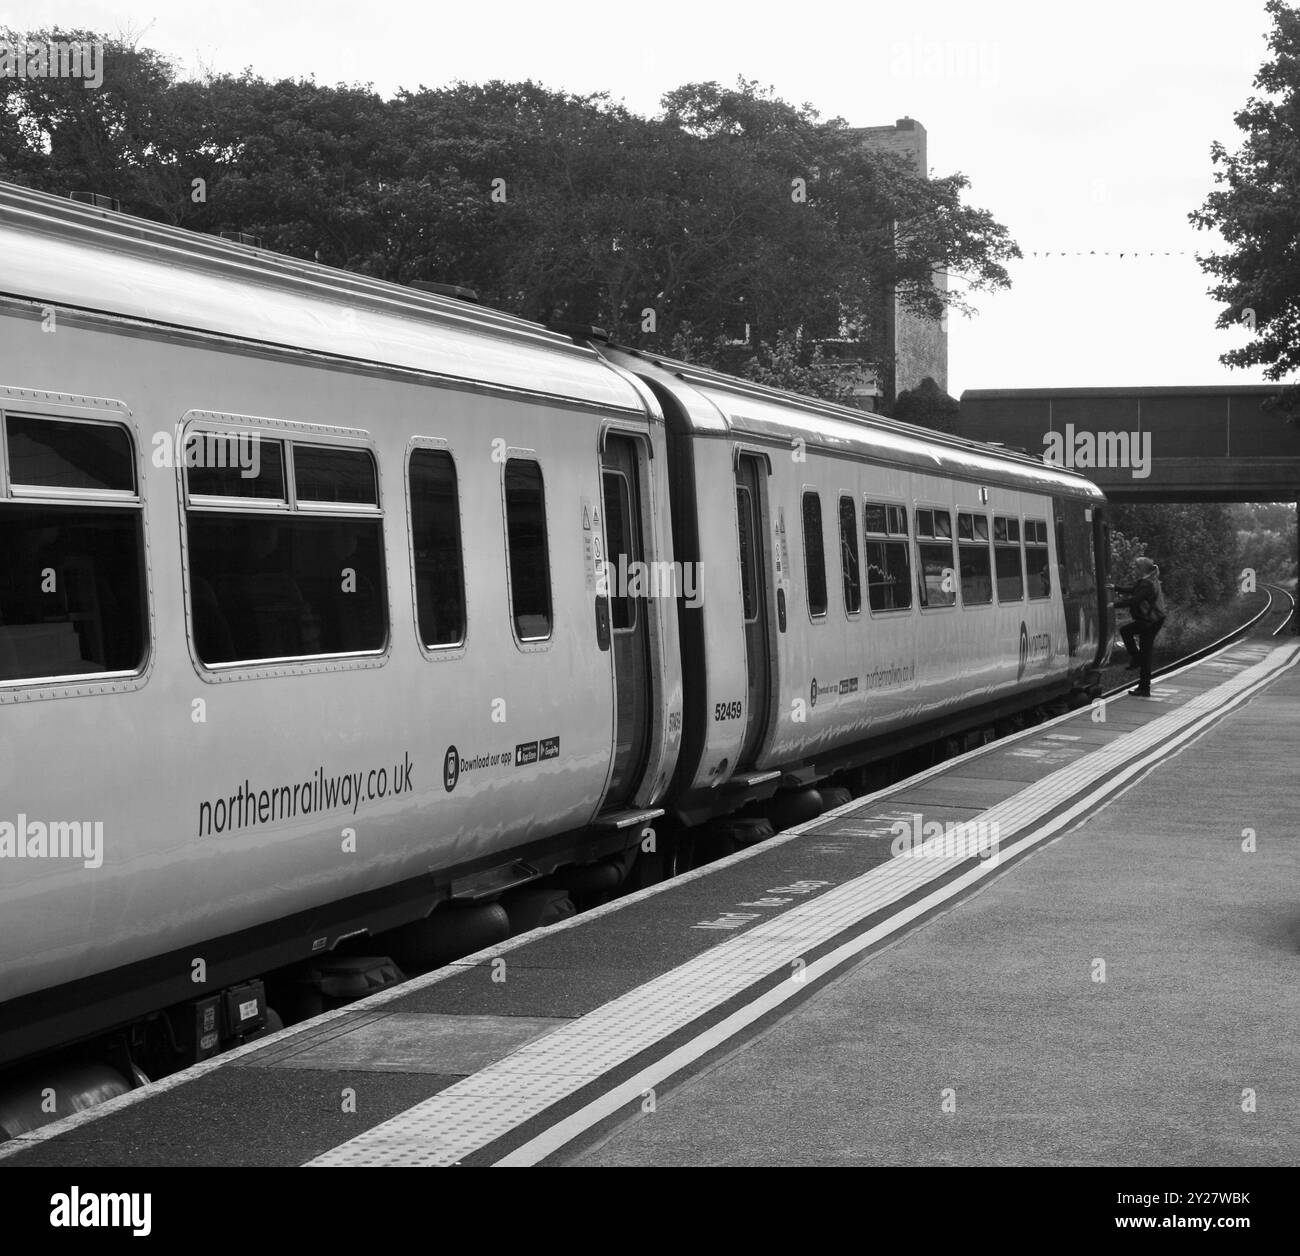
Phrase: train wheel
(797, 807)
(453, 930)
(534, 907)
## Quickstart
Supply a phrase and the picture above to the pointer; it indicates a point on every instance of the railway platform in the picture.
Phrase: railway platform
(1076, 945)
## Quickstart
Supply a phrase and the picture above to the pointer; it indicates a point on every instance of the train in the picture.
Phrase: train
(334, 609)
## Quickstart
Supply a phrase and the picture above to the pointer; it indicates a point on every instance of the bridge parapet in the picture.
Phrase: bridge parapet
(1214, 443)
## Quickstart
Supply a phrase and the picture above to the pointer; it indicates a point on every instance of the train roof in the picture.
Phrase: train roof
(66, 254)
(723, 404)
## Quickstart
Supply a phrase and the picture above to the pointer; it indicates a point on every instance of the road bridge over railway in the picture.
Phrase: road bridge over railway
(1150, 444)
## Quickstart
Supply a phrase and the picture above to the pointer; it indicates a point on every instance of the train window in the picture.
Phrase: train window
(234, 464)
(1007, 561)
(321, 474)
(889, 570)
(71, 591)
(72, 585)
(935, 570)
(1037, 573)
(54, 453)
(973, 558)
(274, 586)
(814, 554)
(889, 576)
(932, 523)
(745, 522)
(936, 574)
(435, 547)
(1011, 585)
(282, 583)
(530, 565)
(976, 571)
(849, 556)
(618, 538)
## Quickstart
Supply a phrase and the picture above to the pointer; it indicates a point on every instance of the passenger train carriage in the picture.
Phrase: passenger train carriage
(894, 585)
(326, 603)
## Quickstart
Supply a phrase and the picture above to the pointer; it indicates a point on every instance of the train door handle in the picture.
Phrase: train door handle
(780, 609)
(602, 622)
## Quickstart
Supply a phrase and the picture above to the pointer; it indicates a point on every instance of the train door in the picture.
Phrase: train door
(625, 558)
(1077, 559)
(753, 584)
(1069, 596)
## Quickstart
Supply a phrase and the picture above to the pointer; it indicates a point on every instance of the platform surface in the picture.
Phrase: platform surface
(1187, 1053)
(1089, 967)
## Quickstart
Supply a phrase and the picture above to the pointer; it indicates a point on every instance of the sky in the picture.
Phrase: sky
(1083, 128)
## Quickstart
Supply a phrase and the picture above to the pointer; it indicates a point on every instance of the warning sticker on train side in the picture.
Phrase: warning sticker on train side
(593, 550)
(780, 549)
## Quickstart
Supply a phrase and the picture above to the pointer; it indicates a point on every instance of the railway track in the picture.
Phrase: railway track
(1281, 604)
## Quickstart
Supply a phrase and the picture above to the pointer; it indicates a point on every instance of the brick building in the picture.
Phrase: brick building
(909, 347)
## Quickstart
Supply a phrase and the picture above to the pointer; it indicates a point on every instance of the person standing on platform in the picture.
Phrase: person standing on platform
(1145, 601)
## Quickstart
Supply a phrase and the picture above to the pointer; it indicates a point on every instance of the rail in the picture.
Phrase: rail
(1193, 656)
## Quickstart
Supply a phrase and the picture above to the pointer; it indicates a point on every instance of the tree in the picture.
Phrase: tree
(734, 213)
(58, 136)
(1125, 550)
(1194, 545)
(927, 405)
(1257, 209)
(1266, 539)
(785, 364)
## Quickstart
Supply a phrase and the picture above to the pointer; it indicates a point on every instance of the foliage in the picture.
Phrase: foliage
(788, 364)
(1256, 207)
(785, 365)
(927, 405)
(1124, 552)
(1266, 539)
(551, 205)
(1195, 547)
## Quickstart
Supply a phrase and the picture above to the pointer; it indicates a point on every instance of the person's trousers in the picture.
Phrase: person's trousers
(1139, 640)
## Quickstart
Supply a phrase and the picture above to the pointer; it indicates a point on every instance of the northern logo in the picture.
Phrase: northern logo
(1035, 649)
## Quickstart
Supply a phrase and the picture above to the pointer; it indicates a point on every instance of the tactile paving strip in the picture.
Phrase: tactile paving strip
(488, 1105)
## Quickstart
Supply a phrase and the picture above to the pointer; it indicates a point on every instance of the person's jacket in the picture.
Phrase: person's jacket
(1144, 599)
